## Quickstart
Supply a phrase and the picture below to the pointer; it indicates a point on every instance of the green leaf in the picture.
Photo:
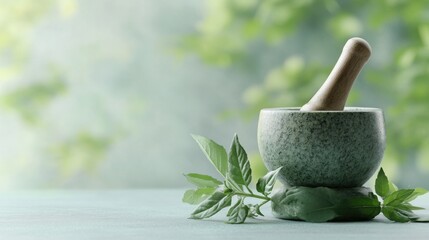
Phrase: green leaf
(238, 165)
(412, 207)
(399, 213)
(398, 197)
(233, 207)
(238, 213)
(266, 183)
(417, 192)
(406, 207)
(254, 210)
(230, 184)
(214, 152)
(323, 204)
(382, 187)
(202, 181)
(212, 205)
(198, 195)
(393, 214)
(258, 210)
(360, 207)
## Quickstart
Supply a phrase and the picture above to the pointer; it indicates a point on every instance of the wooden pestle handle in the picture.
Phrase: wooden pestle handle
(334, 92)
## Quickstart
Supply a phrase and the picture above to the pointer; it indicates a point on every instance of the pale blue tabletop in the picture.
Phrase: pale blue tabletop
(159, 214)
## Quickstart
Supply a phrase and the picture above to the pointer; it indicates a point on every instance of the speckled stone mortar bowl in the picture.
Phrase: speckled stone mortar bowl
(322, 148)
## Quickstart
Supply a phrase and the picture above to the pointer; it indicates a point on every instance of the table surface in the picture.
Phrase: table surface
(160, 214)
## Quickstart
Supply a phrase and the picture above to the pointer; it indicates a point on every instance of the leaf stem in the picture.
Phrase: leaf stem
(264, 202)
(248, 189)
(267, 199)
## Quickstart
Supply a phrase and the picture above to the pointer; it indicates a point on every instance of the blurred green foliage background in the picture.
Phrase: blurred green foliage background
(294, 45)
(105, 93)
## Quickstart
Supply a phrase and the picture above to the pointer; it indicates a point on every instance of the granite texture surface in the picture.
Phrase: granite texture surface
(322, 148)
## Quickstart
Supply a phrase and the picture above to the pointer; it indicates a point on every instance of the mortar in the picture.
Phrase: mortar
(322, 148)
(323, 144)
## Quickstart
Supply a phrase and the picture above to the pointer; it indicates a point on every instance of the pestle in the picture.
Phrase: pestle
(333, 94)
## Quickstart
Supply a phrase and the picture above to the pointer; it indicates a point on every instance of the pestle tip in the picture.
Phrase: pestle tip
(358, 46)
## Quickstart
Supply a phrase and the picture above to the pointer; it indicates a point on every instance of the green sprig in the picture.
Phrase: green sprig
(396, 204)
(214, 195)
